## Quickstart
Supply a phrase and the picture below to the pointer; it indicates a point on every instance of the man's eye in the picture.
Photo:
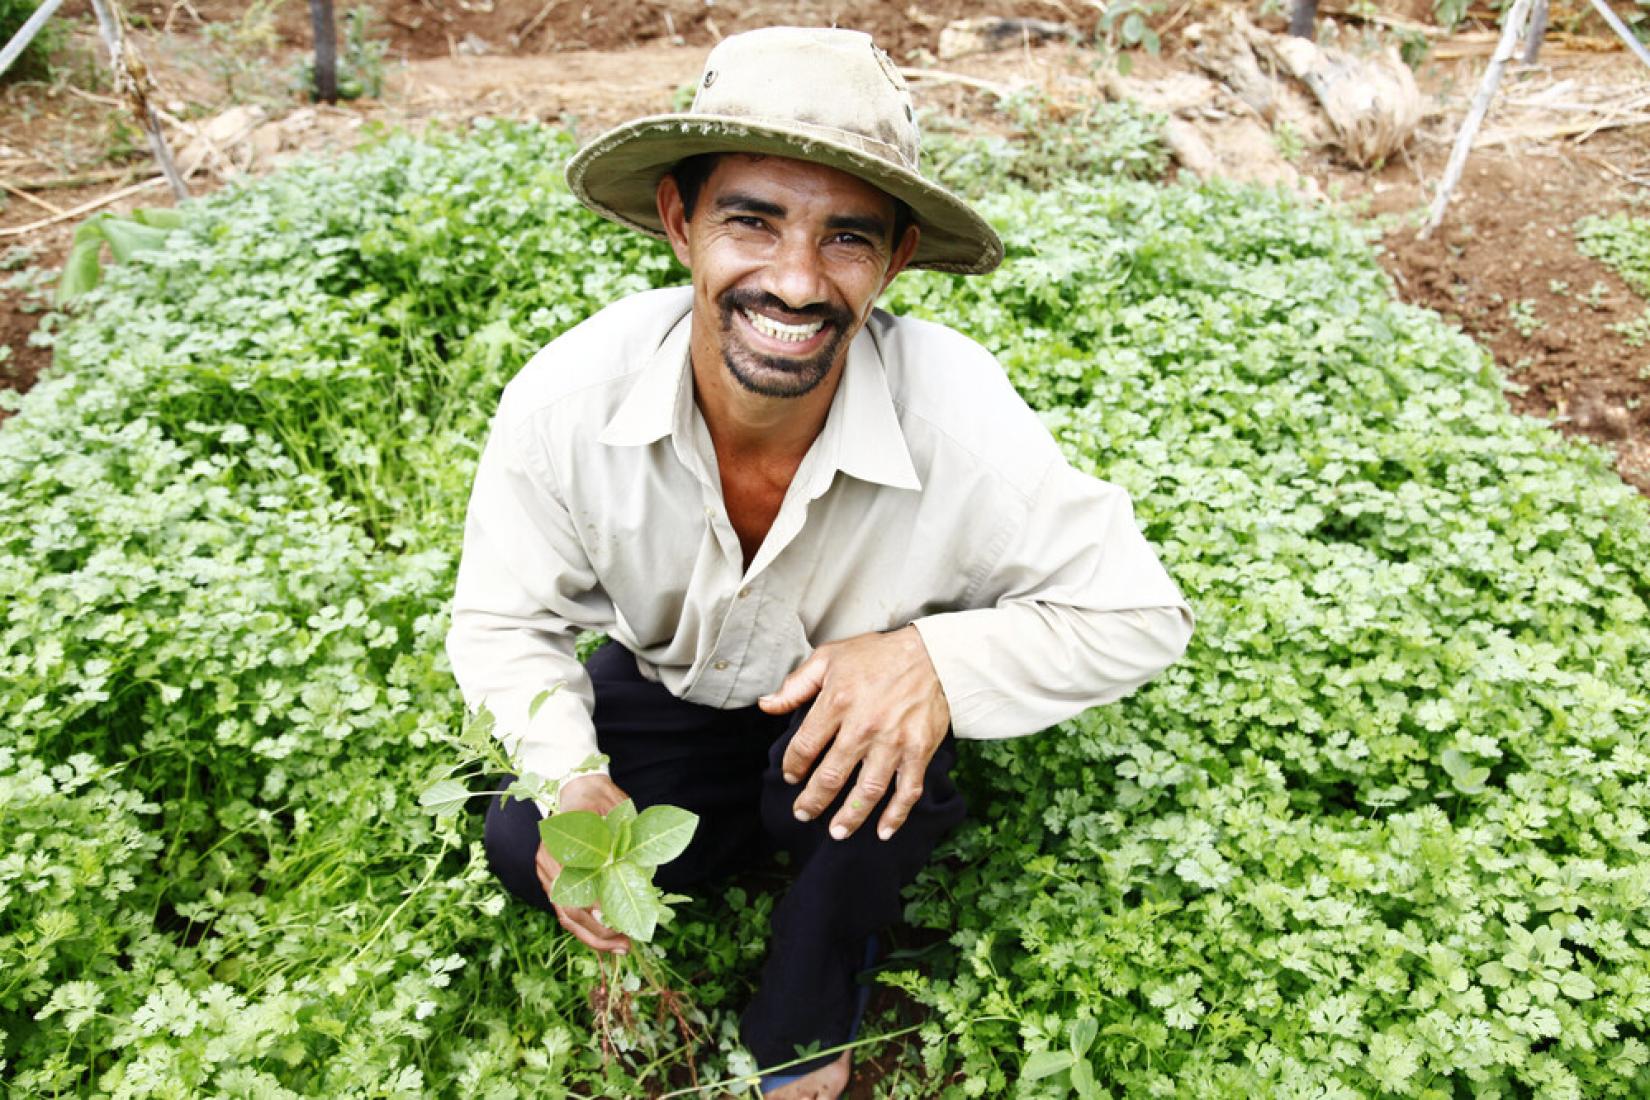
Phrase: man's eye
(853, 239)
(749, 221)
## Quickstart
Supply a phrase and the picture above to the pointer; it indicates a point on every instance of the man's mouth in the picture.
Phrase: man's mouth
(779, 330)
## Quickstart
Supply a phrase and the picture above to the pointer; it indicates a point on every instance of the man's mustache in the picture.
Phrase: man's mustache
(759, 301)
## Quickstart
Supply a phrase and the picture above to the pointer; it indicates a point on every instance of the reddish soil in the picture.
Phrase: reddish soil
(1504, 266)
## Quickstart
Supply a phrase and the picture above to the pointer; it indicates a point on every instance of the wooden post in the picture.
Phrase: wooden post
(326, 50)
(133, 85)
(1303, 17)
(1538, 31)
(1517, 17)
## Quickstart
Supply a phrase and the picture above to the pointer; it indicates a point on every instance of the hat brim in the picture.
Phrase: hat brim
(617, 174)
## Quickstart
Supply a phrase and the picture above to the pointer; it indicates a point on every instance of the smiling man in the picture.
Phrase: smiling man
(824, 542)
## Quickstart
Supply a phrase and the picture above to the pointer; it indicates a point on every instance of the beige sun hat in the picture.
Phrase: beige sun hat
(826, 96)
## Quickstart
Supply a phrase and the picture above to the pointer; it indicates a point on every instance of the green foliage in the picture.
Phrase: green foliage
(1050, 144)
(608, 861)
(1407, 737)
(1449, 13)
(34, 63)
(1381, 832)
(1622, 243)
(143, 231)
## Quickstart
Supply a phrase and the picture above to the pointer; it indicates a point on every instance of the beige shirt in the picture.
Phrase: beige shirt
(933, 496)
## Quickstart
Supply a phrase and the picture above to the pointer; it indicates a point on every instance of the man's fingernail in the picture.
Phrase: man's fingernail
(790, 777)
(839, 832)
(885, 832)
(620, 951)
(803, 815)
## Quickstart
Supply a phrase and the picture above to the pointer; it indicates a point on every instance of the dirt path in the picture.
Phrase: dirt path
(1504, 266)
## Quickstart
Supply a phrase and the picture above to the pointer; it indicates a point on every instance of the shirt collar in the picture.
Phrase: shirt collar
(862, 436)
(649, 412)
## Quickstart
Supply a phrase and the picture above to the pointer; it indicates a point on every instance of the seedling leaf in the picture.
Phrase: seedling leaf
(576, 886)
(627, 899)
(1083, 1033)
(128, 238)
(661, 834)
(1046, 1063)
(444, 796)
(577, 838)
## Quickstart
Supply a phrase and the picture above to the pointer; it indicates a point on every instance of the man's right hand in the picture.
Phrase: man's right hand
(600, 794)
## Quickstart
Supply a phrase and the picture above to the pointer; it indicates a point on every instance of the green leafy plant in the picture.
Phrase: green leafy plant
(1620, 241)
(1635, 332)
(126, 237)
(1124, 25)
(1380, 832)
(1522, 315)
(608, 861)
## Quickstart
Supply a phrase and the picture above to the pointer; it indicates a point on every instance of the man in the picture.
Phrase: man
(822, 540)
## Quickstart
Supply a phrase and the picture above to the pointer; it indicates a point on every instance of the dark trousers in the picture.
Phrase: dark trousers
(724, 766)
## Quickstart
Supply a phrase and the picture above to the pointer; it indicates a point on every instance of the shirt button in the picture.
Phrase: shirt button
(720, 666)
(743, 592)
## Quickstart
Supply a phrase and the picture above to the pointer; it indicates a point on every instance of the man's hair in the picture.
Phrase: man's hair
(692, 172)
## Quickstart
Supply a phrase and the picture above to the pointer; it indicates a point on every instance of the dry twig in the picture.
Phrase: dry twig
(83, 208)
(26, 197)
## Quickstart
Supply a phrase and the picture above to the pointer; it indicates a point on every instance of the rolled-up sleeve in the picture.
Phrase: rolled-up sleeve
(525, 588)
(1075, 610)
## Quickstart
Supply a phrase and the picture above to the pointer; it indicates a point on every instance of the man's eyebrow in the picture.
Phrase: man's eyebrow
(868, 224)
(739, 200)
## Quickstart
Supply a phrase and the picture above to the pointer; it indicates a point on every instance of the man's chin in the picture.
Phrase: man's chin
(775, 377)
(778, 375)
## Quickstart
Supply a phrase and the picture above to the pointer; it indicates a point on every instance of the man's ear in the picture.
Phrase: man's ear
(903, 252)
(674, 216)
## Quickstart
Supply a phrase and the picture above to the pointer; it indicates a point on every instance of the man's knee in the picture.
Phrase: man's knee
(936, 812)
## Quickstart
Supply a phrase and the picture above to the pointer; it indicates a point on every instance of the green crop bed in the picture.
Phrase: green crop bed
(1382, 832)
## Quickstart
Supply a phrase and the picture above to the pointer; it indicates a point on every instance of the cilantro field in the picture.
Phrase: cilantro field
(1382, 832)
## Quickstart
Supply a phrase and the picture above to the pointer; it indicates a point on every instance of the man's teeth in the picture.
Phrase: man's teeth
(791, 334)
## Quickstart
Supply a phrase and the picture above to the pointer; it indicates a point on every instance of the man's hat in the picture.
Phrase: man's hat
(826, 96)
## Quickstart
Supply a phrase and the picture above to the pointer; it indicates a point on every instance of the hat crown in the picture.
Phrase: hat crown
(835, 82)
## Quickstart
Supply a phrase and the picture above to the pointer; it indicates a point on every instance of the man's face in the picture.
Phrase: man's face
(787, 259)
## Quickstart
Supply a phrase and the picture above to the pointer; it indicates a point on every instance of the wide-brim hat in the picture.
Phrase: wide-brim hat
(826, 96)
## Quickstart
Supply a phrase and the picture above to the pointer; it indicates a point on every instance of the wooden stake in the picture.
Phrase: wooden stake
(326, 50)
(132, 84)
(1538, 32)
(1516, 19)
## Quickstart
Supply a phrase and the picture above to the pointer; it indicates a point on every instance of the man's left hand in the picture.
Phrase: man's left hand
(879, 705)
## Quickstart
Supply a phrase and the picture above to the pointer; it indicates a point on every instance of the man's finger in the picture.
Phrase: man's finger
(876, 774)
(907, 790)
(818, 729)
(801, 685)
(591, 932)
(828, 778)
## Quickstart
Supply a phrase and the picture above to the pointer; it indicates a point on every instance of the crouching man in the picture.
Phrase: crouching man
(824, 541)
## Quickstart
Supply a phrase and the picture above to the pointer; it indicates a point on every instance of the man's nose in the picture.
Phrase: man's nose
(796, 274)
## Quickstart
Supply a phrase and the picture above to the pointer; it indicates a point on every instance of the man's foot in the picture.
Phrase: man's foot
(824, 1083)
